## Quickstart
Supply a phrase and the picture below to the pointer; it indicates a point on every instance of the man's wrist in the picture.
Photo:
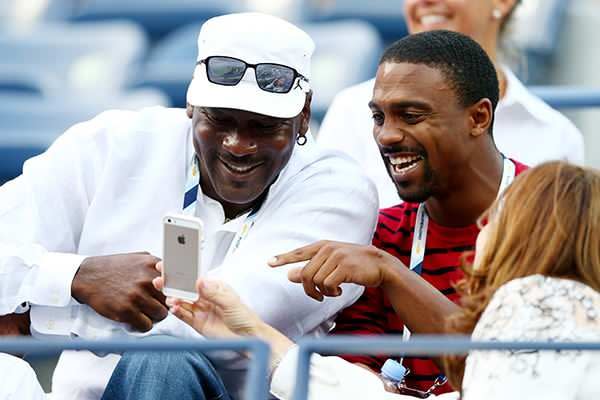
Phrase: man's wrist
(77, 289)
(391, 272)
(280, 344)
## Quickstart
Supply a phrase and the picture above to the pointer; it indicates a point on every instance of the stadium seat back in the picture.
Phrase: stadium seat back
(387, 16)
(157, 17)
(81, 57)
(347, 52)
(170, 64)
(29, 123)
(535, 31)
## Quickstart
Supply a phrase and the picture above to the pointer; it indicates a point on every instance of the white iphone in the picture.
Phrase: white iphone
(182, 247)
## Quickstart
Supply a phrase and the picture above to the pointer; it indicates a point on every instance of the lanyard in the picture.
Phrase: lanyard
(417, 253)
(190, 200)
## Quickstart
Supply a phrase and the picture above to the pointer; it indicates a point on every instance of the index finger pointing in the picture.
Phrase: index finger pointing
(300, 254)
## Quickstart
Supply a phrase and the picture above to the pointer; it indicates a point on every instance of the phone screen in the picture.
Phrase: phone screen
(181, 257)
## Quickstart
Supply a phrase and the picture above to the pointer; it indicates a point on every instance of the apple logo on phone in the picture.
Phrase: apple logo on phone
(181, 239)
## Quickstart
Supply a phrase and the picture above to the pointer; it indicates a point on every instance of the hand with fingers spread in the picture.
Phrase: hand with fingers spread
(332, 263)
(119, 287)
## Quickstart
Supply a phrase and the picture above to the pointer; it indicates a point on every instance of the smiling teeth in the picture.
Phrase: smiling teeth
(433, 19)
(404, 160)
(402, 165)
(238, 169)
(402, 169)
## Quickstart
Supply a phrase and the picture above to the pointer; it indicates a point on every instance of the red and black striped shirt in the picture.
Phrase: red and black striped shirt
(373, 314)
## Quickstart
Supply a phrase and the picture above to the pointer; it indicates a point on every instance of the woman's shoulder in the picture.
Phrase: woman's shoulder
(541, 308)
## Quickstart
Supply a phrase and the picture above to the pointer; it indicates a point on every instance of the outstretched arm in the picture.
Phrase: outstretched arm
(420, 305)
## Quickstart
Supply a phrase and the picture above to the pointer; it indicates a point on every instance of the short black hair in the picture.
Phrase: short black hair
(459, 58)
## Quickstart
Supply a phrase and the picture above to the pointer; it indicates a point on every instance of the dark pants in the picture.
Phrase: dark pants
(165, 375)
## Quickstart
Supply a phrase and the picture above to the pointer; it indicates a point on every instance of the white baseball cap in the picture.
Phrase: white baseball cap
(254, 38)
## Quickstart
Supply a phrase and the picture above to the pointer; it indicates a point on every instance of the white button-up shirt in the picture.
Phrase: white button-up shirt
(525, 129)
(18, 380)
(103, 187)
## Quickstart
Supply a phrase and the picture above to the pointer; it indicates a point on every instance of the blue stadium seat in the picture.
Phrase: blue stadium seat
(29, 123)
(96, 56)
(386, 15)
(568, 97)
(157, 17)
(536, 30)
(170, 64)
(347, 52)
(16, 81)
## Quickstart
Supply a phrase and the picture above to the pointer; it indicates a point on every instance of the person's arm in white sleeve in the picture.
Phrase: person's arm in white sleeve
(41, 214)
(18, 380)
(335, 378)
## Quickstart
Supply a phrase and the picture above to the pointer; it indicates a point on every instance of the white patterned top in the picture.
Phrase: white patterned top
(537, 308)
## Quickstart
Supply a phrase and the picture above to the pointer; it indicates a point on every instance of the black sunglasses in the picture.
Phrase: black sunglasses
(229, 71)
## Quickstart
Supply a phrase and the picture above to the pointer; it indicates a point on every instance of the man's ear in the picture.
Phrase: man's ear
(189, 110)
(305, 114)
(481, 117)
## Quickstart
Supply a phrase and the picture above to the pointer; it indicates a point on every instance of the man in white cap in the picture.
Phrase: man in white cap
(82, 226)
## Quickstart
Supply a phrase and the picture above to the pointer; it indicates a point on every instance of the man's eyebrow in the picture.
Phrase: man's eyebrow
(403, 104)
(411, 104)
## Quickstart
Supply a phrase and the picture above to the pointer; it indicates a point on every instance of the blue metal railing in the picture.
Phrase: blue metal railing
(568, 97)
(418, 345)
(256, 383)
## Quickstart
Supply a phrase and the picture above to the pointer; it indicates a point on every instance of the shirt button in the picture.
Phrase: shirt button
(50, 324)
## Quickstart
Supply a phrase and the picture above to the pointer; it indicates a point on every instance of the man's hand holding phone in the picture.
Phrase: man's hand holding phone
(119, 287)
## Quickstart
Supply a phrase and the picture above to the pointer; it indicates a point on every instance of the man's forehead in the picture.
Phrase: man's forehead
(407, 80)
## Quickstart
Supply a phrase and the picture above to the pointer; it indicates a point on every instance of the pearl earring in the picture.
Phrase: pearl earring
(497, 14)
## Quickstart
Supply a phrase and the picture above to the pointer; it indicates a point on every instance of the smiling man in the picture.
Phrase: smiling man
(433, 108)
(81, 228)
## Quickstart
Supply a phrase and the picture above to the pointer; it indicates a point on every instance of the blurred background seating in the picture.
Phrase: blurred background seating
(64, 61)
(347, 52)
(29, 123)
(385, 15)
(568, 97)
(156, 17)
(170, 63)
(92, 57)
(534, 38)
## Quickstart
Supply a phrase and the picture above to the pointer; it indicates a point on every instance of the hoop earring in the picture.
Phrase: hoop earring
(301, 140)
